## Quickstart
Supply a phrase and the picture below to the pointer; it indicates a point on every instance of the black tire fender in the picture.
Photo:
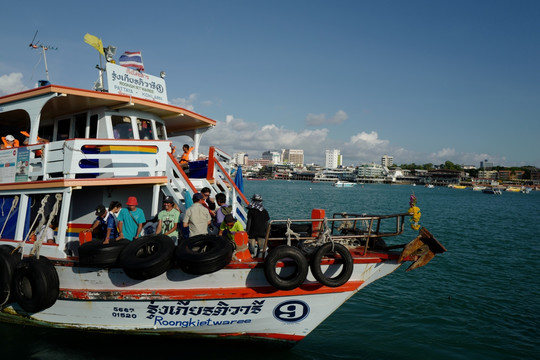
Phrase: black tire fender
(346, 261)
(35, 284)
(147, 257)
(96, 254)
(204, 254)
(8, 263)
(293, 256)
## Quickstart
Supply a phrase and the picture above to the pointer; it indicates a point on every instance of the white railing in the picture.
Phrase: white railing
(98, 158)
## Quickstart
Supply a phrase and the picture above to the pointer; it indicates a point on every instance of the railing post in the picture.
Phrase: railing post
(211, 162)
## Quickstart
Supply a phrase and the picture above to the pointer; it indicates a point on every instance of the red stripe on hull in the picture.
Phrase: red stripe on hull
(200, 294)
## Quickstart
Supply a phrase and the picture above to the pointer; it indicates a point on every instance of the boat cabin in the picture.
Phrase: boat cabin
(80, 148)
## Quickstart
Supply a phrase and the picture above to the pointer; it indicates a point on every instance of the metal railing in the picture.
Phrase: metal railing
(342, 227)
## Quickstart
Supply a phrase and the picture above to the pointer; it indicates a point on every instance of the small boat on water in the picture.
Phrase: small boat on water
(478, 188)
(492, 190)
(86, 148)
(340, 183)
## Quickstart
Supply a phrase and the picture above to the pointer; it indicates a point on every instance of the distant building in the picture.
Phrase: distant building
(240, 158)
(486, 165)
(370, 171)
(387, 160)
(293, 156)
(333, 159)
(273, 156)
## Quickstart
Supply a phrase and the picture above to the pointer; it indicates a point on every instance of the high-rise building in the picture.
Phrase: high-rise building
(293, 156)
(333, 159)
(273, 156)
(387, 160)
(240, 158)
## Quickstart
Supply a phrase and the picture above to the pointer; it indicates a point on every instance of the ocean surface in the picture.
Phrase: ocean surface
(479, 300)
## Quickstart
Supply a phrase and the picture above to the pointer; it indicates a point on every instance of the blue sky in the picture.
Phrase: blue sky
(423, 81)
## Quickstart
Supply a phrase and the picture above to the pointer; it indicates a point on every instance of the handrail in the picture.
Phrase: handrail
(232, 182)
(179, 168)
(368, 234)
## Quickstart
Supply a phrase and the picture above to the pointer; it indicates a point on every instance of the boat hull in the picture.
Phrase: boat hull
(178, 304)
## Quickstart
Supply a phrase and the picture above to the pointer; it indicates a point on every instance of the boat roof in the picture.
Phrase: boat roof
(73, 100)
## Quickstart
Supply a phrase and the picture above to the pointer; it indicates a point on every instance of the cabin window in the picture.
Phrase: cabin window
(160, 129)
(62, 131)
(122, 128)
(46, 132)
(145, 129)
(80, 126)
(93, 127)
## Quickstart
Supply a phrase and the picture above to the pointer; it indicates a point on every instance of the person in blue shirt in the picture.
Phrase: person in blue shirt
(112, 222)
(131, 220)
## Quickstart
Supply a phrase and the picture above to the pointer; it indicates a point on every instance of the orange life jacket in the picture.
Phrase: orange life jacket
(185, 156)
(7, 146)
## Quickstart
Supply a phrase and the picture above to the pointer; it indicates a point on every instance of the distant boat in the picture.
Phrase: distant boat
(478, 188)
(430, 186)
(493, 191)
(457, 186)
(340, 183)
(513, 189)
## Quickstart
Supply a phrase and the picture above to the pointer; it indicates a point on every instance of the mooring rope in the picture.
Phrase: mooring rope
(289, 232)
(54, 212)
(13, 206)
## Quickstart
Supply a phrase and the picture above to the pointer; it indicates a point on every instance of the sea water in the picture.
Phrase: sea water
(479, 300)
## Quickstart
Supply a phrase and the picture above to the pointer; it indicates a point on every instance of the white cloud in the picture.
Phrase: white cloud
(11, 83)
(320, 119)
(186, 103)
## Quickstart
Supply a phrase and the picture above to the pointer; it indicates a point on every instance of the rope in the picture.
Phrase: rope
(13, 205)
(54, 212)
(289, 232)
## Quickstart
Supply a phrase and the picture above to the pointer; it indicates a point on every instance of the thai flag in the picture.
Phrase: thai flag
(132, 59)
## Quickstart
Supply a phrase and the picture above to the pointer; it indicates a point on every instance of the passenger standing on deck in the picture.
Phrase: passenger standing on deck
(131, 220)
(257, 224)
(197, 217)
(99, 226)
(187, 155)
(112, 222)
(168, 219)
(223, 209)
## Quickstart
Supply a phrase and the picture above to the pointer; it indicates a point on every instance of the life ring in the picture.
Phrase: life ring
(35, 284)
(293, 280)
(147, 256)
(97, 254)
(8, 262)
(204, 254)
(346, 269)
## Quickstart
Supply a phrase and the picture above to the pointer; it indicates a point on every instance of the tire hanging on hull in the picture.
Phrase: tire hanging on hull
(8, 263)
(35, 284)
(347, 264)
(294, 257)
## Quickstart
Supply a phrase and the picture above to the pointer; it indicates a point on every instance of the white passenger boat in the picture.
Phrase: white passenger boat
(340, 183)
(105, 146)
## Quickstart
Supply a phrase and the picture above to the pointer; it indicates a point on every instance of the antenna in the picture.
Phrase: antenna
(44, 48)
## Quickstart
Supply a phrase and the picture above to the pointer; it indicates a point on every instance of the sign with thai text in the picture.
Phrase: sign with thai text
(126, 81)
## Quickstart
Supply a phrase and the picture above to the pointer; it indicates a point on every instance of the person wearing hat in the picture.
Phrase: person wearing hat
(131, 220)
(197, 217)
(229, 227)
(99, 226)
(168, 219)
(9, 142)
(257, 223)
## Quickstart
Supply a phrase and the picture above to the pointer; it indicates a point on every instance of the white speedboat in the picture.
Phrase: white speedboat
(340, 183)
